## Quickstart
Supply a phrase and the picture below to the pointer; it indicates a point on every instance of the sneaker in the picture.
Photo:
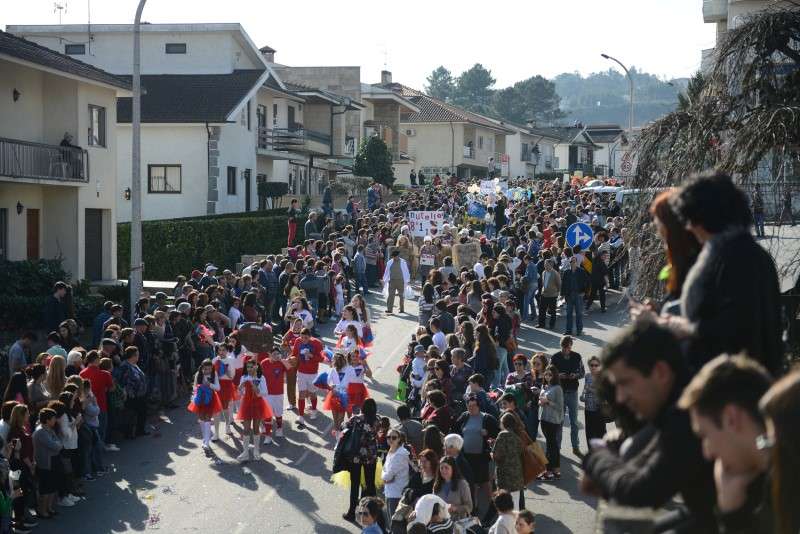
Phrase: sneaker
(292, 408)
(279, 432)
(76, 498)
(301, 423)
(110, 447)
(88, 477)
(66, 502)
(20, 529)
(30, 523)
(267, 440)
(312, 414)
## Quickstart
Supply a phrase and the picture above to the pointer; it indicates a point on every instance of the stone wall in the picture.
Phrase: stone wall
(213, 169)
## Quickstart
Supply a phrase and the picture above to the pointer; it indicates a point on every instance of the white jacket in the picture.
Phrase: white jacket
(395, 473)
(68, 431)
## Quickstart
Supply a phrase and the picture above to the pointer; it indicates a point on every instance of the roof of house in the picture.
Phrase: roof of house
(17, 47)
(334, 98)
(565, 134)
(175, 98)
(604, 133)
(435, 110)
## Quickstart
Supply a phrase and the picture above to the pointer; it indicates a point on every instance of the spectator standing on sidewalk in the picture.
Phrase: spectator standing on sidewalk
(570, 371)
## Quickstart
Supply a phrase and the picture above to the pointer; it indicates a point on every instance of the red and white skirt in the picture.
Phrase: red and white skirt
(208, 410)
(333, 403)
(227, 392)
(253, 407)
(356, 394)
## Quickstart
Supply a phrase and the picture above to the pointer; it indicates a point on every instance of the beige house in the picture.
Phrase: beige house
(443, 138)
(58, 198)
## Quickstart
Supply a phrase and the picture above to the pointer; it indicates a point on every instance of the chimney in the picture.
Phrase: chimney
(268, 53)
(386, 77)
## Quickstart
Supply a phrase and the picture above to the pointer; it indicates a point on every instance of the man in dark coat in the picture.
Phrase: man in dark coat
(648, 371)
(55, 309)
(730, 300)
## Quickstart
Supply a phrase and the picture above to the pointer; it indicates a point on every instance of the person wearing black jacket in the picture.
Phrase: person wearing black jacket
(599, 280)
(730, 301)
(574, 281)
(649, 372)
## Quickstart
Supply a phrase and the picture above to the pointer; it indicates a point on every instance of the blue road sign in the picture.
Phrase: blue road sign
(580, 234)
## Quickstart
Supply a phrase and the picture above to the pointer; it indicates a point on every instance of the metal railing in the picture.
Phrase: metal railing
(281, 139)
(469, 152)
(319, 137)
(24, 159)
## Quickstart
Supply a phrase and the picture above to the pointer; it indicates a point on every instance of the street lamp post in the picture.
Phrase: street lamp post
(630, 82)
(136, 276)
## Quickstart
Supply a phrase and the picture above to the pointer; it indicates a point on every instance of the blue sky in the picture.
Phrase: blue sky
(515, 39)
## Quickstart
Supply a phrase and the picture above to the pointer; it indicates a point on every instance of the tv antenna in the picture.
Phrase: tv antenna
(60, 8)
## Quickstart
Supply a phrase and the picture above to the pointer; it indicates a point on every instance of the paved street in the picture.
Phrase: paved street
(164, 482)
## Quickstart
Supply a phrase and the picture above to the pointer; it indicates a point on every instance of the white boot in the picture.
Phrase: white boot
(206, 433)
(245, 450)
(228, 418)
(256, 449)
(216, 428)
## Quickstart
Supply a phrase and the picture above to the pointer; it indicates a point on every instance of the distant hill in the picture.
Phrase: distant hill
(602, 97)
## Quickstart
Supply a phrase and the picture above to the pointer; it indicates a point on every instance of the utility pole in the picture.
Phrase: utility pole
(136, 276)
(630, 82)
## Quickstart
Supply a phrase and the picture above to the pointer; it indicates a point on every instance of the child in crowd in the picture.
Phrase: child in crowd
(253, 408)
(275, 369)
(205, 399)
(224, 367)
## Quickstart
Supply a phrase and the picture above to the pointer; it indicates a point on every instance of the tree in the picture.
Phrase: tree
(742, 118)
(534, 98)
(440, 84)
(274, 191)
(375, 161)
(474, 89)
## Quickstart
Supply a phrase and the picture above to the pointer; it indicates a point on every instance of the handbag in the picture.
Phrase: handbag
(537, 451)
(402, 391)
(531, 466)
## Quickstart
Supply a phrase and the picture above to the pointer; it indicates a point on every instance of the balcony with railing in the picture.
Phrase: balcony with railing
(37, 161)
(293, 140)
(469, 152)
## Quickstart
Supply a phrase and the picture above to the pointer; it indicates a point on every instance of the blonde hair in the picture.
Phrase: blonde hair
(56, 378)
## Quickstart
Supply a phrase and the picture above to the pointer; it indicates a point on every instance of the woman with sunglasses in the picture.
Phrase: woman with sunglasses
(395, 469)
(370, 515)
(595, 424)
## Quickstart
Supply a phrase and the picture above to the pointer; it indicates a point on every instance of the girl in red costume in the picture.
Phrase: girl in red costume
(253, 408)
(356, 390)
(225, 368)
(205, 400)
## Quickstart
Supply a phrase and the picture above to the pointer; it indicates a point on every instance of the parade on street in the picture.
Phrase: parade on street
(245, 295)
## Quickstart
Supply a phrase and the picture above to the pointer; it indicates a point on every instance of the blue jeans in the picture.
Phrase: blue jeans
(532, 422)
(361, 283)
(575, 305)
(528, 303)
(102, 429)
(502, 372)
(372, 274)
(759, 220)
(92, 456)
(571, 407)
(489, 230)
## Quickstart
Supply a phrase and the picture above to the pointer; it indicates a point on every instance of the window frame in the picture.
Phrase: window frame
(167, 47)
(165, 166)
(80, 46)
(228, 175)
(102, 138)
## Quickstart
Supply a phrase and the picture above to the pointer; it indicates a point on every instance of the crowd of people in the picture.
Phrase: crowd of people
(463, 444)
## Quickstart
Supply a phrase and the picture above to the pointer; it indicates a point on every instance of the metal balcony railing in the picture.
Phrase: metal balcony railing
(24, 159)
(469, 152)
(281, 139)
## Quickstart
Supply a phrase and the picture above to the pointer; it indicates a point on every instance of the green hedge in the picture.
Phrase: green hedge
(25, 287)
(275, 212)
(174, 247)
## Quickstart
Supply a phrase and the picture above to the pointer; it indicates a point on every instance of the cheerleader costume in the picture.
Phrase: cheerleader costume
(205, 401)
(338, 382)
(253, 404)
(356, 390)
(226, 371)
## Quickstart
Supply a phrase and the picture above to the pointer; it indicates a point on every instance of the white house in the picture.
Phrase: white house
(573, 150)
(610, 139)
(527, 153)
(58, 200)
(199, 130)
